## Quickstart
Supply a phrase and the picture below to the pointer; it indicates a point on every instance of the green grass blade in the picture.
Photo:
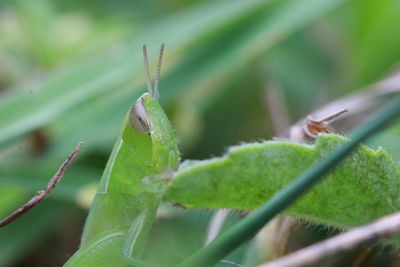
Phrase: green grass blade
(244, 230)
(23, 111)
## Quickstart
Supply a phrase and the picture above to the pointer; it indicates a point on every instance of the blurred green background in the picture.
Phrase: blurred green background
(69, 70)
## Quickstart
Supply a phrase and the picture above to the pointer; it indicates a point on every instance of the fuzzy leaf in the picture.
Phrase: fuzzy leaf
(364, 187)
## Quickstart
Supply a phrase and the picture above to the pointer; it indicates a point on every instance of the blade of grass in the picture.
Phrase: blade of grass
(248, 227)
(22, 111)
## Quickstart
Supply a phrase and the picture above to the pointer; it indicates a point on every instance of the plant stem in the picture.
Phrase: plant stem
(249, 226)
(384, 227)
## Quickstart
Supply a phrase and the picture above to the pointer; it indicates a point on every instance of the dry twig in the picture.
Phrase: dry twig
(384, 227)
(44, 193)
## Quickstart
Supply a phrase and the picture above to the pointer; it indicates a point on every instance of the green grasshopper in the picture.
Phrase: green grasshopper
(130, 189)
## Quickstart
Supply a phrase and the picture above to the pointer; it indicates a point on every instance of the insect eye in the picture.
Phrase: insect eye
(139, 118)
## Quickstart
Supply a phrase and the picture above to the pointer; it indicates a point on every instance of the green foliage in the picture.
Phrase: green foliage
(288, 196)
(70, 70)
(363, 188)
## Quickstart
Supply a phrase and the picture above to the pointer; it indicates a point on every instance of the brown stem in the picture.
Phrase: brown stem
(384, 227)
(44, 193)
(276, 107)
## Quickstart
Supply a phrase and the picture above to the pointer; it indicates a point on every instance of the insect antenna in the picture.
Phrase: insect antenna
(157, 78)
(146, 71)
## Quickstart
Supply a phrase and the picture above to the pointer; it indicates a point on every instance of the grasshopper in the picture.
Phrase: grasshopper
(130, 189)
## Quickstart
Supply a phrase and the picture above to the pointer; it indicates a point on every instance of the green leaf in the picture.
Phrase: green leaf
(389, 140)
(364, 187)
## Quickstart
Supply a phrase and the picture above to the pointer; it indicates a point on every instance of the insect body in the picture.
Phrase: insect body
(131, 186)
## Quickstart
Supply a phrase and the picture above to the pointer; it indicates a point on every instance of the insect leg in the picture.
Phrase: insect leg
(132, 246)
